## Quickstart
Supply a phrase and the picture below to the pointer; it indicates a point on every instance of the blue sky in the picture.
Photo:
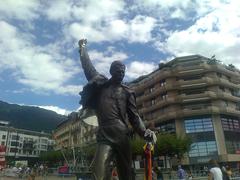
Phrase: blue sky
(39, 60)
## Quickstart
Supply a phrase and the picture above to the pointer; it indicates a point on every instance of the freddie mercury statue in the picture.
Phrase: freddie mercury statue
(115, 105)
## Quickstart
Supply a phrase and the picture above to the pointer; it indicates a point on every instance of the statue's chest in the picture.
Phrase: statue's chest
(112, 95)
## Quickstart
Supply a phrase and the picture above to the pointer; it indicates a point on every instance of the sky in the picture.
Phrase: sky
(39, 59)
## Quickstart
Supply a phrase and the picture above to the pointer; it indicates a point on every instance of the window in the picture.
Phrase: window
(219, 74)
(149, 116)
(166, 128)
(44, 141)
(232, 92)
(3, 136)
(153, 101)
(43, 146)
(230, 124)
(205, 148)
(238, 106)
(225, 104)
(193, 91)
(139, 93)
(15, 137)
(140, 106)
(14, 143)
(15, 150)
(164, 96)
(233, 147)
(151, 89)
(196, 106)
(162, 82)
(198, 125)
(195, 77)
(237, 93)
(2, 143)
(222, 88)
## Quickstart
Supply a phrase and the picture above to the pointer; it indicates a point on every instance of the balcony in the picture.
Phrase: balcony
(221, 68)
(188, 71)
(181, 113)
(192, 98)
(156, 92)
(158, 105)
(224, 82)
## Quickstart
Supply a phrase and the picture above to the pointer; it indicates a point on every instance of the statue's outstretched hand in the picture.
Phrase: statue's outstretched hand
(150, 136)
(82, 43)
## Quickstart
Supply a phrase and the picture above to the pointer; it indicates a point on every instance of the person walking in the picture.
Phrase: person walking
(181, 173)
(229, 172)
(215, 172)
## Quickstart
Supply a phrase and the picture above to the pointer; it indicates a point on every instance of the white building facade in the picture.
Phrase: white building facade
(24, 143)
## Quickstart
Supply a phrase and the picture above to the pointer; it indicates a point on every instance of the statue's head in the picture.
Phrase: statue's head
(117, 70)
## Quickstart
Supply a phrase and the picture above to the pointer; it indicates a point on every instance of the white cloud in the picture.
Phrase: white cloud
(215, 33)
(179, 9)
(118, 29)
(47, 69)
(58, 10)
(95, 12)
(140, 29)
(103, 60)
(90, 13)
(80, 31)
(136, 30)
(23, 9)
(136, 69)
(104, 22)
(35, 66)
(56, 109)
(165, 9)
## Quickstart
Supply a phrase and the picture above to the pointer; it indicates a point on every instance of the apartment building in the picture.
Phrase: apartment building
(197, 96)
(20, 143)
(73, 133)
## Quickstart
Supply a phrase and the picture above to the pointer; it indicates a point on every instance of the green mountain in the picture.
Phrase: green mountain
(30, 118)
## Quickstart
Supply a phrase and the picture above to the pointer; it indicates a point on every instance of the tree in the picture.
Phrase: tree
(231, 67)
(51, 156)
(213, 60)
(89, 150)
(172, 146)
(137, 144)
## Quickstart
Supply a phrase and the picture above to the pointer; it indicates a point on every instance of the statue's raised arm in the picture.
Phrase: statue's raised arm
(89, 69)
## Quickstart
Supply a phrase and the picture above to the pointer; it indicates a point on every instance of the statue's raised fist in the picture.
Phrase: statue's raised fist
(82, 42)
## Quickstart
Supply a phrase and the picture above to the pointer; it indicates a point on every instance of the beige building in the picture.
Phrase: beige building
(197, 96)
(73, 133)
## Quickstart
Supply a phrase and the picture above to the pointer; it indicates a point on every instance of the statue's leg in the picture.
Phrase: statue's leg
(124, 160)
(101, 164)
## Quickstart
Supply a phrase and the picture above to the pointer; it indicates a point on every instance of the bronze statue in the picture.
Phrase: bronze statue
(115, 105)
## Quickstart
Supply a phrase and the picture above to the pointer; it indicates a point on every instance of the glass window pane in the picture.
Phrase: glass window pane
(198, 125)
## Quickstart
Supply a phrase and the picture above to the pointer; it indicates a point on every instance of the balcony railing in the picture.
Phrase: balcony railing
(170, 114)
(185, 98)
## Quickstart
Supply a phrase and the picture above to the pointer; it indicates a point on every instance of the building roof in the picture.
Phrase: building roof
(183, 59)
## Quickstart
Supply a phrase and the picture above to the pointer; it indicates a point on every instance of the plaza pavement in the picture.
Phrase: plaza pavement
(40, 178)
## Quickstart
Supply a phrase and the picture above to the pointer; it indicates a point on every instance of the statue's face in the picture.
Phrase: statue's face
(118, 74)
